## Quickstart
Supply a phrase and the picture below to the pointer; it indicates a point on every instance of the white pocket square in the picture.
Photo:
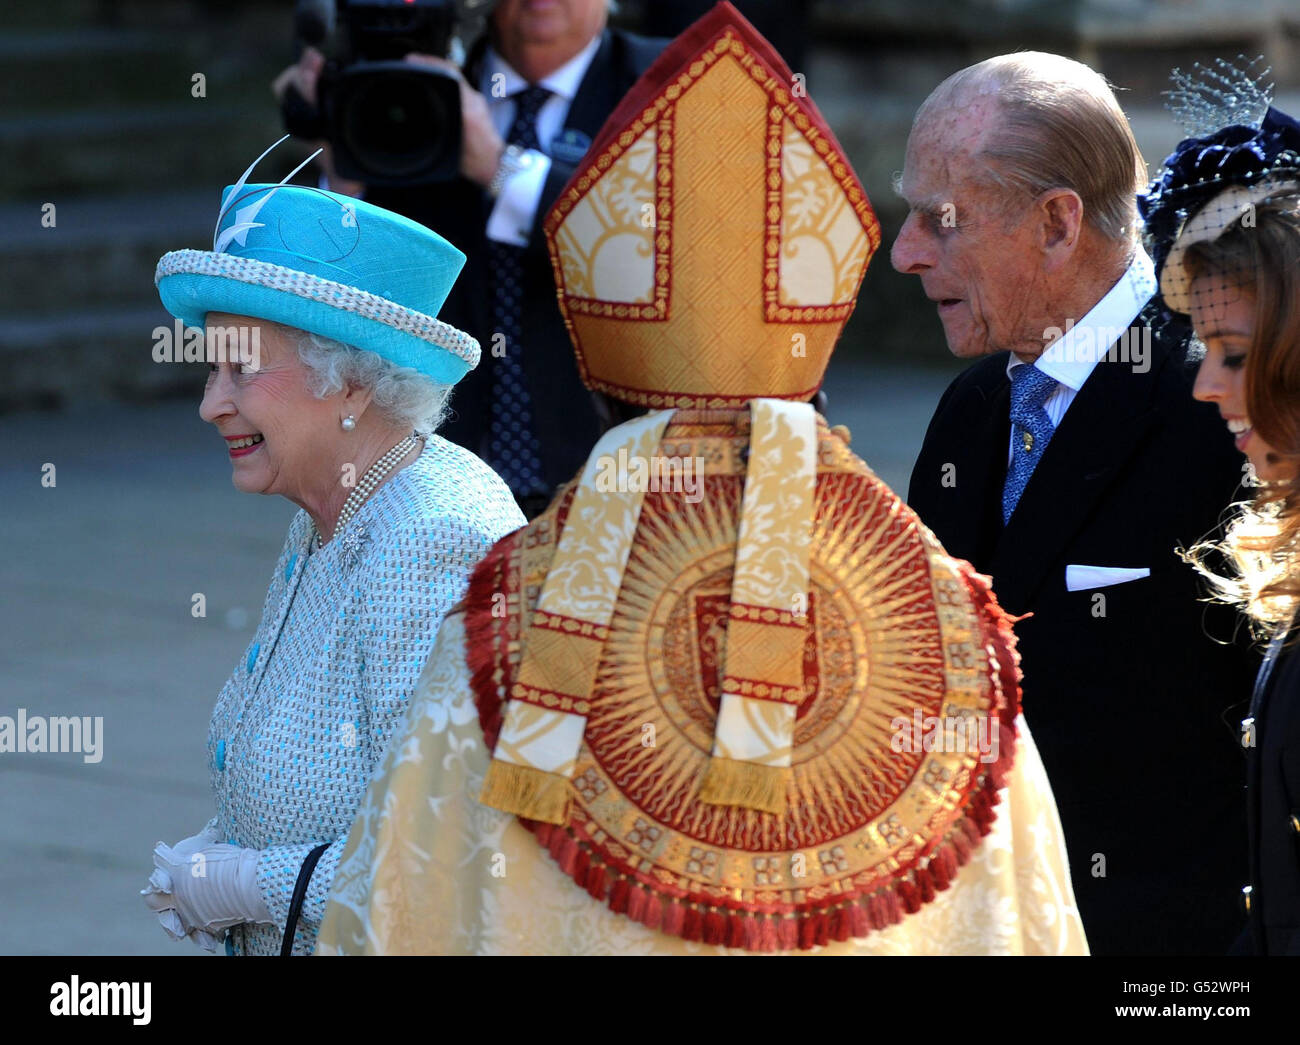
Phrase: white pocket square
(1081, 578)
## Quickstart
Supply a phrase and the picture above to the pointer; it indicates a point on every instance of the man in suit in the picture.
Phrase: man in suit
(1069, 463)
(534, 92)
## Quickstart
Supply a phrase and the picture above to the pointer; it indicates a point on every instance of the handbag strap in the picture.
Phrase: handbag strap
(299, 897)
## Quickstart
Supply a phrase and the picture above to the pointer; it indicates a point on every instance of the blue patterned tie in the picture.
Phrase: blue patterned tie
(513, 449)
(1031, 430)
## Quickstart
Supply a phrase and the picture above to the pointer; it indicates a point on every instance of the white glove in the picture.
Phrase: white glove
(158, 895)
(214, 887)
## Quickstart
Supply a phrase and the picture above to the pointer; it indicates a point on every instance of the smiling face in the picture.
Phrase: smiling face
(973, 243)
(1223, 315)
(277, 432)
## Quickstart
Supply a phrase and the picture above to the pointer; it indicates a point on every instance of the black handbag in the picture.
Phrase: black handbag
(299, 896)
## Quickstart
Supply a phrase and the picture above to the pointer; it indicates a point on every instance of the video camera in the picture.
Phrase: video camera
(389, 122)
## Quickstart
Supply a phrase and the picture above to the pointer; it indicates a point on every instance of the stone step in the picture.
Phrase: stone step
(200, 143)
(88, 355)
(174, 14)
(102, 250)
(57, 69)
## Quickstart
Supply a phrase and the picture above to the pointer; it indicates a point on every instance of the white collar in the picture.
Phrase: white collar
(563, 82)
(1071, 357)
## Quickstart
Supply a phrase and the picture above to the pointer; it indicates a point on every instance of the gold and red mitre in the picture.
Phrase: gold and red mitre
(728, 679)
(711, 248)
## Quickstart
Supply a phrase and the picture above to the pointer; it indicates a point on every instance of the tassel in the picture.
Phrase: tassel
(837, 926)
(948, 864)
(859, 920)
(787, 934)
(910, 895)
(596, 881)
(822, 929)
(808, 931)
(527, 792)
(654, 911)
(636, 903)
(876, 909)
(924, 884)
(581, 864)
(767, 938)
(565, 850)
(738, 930)
(893, 908)
(618, 896)
(938, 872)
(674, 915)
(1001, 769)
(715, 927)
(961, 845)
(692, 924)
(728, 782)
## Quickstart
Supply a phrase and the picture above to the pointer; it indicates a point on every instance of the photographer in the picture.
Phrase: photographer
(533, 93)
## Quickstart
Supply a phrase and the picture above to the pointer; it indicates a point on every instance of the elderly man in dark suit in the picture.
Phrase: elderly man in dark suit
(1069, 463)
(534, 92)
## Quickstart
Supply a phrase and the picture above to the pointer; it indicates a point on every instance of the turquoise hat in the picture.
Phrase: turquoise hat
(336, 266)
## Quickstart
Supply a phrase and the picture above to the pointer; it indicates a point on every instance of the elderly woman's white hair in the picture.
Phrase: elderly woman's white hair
(403, 395)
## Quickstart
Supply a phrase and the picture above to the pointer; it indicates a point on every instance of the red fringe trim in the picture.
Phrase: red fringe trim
(485, 637)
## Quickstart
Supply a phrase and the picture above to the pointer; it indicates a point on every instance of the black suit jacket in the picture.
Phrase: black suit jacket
(1273, 811)
(564, 418)
(1133, 706)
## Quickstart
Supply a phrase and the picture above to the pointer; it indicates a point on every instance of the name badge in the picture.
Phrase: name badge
(570, 146)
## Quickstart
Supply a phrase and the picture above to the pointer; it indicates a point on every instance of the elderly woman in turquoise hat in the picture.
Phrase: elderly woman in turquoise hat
(328, 373)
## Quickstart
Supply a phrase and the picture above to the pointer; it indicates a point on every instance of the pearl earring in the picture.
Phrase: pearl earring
(349, 423)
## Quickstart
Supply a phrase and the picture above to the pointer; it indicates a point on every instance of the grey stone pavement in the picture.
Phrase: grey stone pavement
(98, 573)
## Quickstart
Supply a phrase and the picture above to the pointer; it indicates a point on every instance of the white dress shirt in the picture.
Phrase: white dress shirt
(512, 216)
(1070, 359)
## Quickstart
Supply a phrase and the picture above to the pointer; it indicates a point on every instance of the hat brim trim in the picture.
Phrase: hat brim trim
(1210, 222)
(192, 283)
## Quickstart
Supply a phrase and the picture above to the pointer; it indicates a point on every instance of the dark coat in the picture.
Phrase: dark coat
(1133, 706)
(564, 418)
(1273, 811)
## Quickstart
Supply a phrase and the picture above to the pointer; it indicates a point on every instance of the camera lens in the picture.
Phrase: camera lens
(396, 125)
